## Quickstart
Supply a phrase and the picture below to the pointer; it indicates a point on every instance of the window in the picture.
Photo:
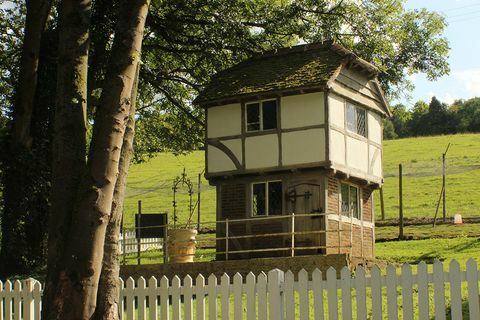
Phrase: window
(350, 204)
(261, 115)
(267, 198)
(357, 120)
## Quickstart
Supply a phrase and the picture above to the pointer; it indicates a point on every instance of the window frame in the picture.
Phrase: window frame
(267, 211)
(356, 109)
(260, 115)
(349, 213)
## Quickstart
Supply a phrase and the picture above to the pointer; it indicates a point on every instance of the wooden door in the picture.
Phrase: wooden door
(305, 198)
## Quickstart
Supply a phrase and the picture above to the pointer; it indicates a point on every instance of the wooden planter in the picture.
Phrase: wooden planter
(181, 245)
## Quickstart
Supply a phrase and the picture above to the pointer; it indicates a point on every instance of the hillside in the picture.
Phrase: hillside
(151, 182)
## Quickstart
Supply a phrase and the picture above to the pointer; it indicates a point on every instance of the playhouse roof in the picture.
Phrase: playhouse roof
(300, 67)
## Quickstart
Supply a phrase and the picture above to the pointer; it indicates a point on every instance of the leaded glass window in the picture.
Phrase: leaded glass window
(350, 201)
(356, 119)
(267, 198)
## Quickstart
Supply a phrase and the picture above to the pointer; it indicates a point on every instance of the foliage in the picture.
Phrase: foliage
(434, 119)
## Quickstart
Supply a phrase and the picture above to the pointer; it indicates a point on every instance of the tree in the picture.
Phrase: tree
(401, 120)
(74, 270)
(22, 239)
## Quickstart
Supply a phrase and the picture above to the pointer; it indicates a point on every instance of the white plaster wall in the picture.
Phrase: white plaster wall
(261, 151)
(374, 127)
(336, 110)
(235, 145)
(357, 154)
(302, 110)
(304, 146)
(218, 161)
(337, 147)
(224, 120)
(375, 161)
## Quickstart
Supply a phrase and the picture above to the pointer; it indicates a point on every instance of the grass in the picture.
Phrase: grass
(422, 168)
(152, 181)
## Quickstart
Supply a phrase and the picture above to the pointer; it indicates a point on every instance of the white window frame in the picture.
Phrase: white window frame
(267, 211)
(359, 201)
(356, 107)
(260, 102)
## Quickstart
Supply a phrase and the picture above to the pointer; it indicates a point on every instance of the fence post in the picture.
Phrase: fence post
(165, 244)
(382, 204)
(138, 233)
(400, 200)
(275, 294)
(293, 234)
(226, 239)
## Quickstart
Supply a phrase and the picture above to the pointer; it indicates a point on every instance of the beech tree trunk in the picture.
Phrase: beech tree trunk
(16, 253)
(76, 292)
(69, 146)
(108, 287)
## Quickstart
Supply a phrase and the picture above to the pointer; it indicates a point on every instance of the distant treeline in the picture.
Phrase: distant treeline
(433, 119)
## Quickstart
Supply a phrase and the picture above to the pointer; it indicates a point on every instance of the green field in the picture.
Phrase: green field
(151, 182)
(422, 168)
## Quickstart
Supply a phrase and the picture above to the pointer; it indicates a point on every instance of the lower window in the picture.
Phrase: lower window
(267, 198)
(350, 201)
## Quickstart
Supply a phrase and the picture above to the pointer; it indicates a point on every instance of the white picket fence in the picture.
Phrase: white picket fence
(129, 243)
(280, 295)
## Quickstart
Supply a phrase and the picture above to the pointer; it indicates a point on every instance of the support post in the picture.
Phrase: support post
(444, 188)
(198, 200)
(226, 239)
(293, 235)
(139, 233)
(400, 200)
(382, 204)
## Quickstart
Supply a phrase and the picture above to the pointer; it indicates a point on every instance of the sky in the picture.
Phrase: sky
(463, 34)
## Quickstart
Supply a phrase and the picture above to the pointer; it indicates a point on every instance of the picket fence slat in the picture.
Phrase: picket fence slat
(439, 291)
(251, 297)
(361, 292)
(212, 297)
(407, 292)
(376, 283)
(275, 296)
(392, 305)
(164, 299)
(188, 298)
(472, 279)
(262, 296)
(176, 307)
(289, 295)
(237, 296)
(303, 293)
(200, 295)
(225, 295)
(456, 290)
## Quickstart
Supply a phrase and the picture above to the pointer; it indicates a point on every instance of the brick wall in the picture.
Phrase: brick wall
(350, 236)
(233, 202)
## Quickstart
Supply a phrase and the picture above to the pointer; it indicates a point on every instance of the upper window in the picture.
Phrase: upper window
(350, 201)
(267, 198)
(356, 120)
(261, 115)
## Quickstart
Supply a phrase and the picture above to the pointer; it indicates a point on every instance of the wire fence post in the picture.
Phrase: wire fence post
(293, 235)
(382, 204)
(226, 239)
(400, 200)
(444, 188)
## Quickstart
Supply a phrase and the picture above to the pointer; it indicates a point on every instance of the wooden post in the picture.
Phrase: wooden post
(165, 244)
(198, 200)
(293, 235)
(226, 239)
(139, 232)
(444, 189)
(382, 204)
(400, 199)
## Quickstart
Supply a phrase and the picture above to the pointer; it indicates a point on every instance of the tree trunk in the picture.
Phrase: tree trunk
(76, 293)
(69, 151)
(18, 256)
(108, 287)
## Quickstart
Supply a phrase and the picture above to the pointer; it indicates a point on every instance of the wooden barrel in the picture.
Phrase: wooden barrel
(181, 245)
